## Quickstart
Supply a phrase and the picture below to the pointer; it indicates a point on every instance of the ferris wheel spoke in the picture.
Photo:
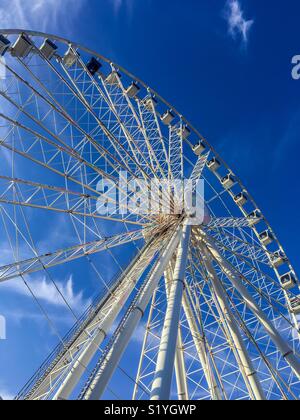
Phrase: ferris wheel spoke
(109, 158)
(176, 134)
(63, 256)
(57, 149)
(224, 222)
(270, 286)
(105, 153)
(244, 250)
(256, 268)
(284, 348)
(236, 244)
(55, 108)
(265, 291)
(54, 198)
(129, 121)
(79, 89)
(110, 125)
(156, 142)
(58, 210)
(272, 369)
(46, 158)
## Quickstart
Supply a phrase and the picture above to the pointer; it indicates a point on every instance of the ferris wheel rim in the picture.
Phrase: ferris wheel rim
(152, 92)
(165, 102)
(238, 181)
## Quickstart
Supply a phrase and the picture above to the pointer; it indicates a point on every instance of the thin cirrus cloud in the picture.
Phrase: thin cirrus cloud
(6, 395)
(128, 6)
(39, 14)
(46, 292)
(238, 25)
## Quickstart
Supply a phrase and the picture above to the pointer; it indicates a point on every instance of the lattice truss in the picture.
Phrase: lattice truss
(82, 144)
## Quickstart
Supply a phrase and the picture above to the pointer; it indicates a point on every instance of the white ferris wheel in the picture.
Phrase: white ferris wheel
(219, 300)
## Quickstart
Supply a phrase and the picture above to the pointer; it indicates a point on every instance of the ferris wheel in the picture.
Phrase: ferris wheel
(216, 301)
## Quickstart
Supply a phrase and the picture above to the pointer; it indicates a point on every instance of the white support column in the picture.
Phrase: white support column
(247, 369)
(180, 371)
(235, 277)
(114, 307)
(161, 387)
(107, 369)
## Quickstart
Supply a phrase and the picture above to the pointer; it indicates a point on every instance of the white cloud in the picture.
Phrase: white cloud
(38, 14)
(237, 24)
(46, 292)
(127, 4)
(139, 333)
(117, 4)
(6, 396)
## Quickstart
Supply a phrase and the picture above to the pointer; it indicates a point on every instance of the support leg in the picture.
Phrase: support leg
(249, 373)
(161, 387)
(100, 381)
(234, 276)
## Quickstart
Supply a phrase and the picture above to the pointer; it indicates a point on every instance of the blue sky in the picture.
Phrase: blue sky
(226, 66)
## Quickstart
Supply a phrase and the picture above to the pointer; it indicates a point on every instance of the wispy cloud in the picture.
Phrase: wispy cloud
(117, 4)
(238, 25)
(38, 14)
(6, 396)
(138, 336)
(46, 292)
(127, 4)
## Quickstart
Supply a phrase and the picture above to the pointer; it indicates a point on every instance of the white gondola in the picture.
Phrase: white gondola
(150, 102)
(4, 45)
(21, 47)
(168, 117)
(288, 280)
(295, 305)
(70, 58)
(184, 132)
(228, 181)
(266, 237)
(199, 148)
(113, 78)
(133, 90)
(278, 259)
(48, 49)
(254, 217)
(213, 164)
(241, 199)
